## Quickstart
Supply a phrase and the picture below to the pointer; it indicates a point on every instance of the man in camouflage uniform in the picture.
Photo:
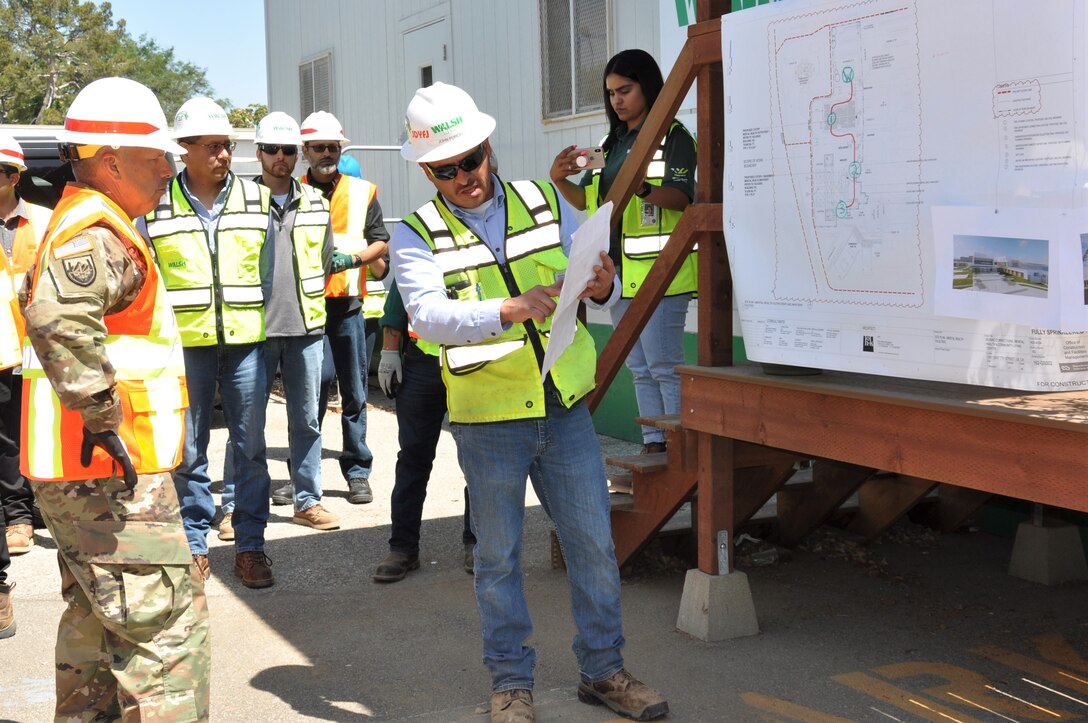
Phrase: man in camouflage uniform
(133, 642)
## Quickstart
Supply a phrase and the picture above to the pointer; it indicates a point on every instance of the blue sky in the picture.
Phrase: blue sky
(225, 37)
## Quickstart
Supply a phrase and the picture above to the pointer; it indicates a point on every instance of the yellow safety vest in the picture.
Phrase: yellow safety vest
(142, 344)
(349, 204)
(308, 240)
(374, 302)
(499, 379)
(645, 231)
(217, 297)
(11, 319)
(28, 237)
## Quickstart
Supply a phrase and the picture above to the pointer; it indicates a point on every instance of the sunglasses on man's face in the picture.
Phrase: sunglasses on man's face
(468, 164)
(324, 147)
(273, 150)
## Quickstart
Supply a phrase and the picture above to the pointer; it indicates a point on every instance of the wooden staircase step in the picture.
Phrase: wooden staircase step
(641, 463)
(667, 422)
(620, 482)
(622, 502)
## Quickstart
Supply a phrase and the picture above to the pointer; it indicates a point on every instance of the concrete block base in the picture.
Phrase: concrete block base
(1049, 555)
(717, 607)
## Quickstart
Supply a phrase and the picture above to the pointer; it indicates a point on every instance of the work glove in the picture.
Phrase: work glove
(110, 442)
(341, 262)
(390, 372)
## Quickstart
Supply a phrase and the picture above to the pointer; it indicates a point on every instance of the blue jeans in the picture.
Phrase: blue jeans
(345, 340)
(421, 407)
(300, 358)
(654, 357)
(562, 458)
(240, 373)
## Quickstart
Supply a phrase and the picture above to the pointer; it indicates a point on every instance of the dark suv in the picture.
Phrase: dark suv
(45, 176)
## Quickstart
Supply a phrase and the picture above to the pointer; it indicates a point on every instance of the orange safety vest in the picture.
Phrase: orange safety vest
(347, 209)
(11, 319)
(28, 237)
(143, 345)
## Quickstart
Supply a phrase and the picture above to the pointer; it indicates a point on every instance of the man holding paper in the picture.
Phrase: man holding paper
(479, 268)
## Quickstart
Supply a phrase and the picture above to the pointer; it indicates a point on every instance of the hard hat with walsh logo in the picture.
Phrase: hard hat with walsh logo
(443, 121)
(277, 128)
(115, 112)
(201, 116)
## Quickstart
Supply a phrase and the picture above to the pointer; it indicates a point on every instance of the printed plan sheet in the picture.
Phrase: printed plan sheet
(906, 187)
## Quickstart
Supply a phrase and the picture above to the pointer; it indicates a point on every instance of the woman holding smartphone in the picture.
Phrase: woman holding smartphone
(632, 82)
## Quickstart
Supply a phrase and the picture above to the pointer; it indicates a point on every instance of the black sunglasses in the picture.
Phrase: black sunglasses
(468, 164)
(324, 147)
(273, 150)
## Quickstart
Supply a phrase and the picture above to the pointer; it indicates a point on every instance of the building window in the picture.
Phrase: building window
(574, 45)
(315, 85)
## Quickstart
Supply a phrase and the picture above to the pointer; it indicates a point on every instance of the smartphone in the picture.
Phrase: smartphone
(590, 158)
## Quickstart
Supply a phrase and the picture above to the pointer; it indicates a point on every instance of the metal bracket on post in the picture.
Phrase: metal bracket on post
(723, 552)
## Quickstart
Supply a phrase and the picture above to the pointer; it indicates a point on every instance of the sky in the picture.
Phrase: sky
(225, 37)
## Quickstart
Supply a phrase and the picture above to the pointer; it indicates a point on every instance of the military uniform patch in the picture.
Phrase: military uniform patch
(80, 270)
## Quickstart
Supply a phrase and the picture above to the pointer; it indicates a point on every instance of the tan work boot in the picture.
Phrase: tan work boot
(254, 568)
(626, 695)
(226, 529)
(20, 538)
(200, 562)
(7, 612)
(317, 517)
(512, 706)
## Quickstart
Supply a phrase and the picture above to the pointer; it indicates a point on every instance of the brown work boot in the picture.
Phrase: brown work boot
(317, 517)
(254, 568)
(624, 694)
(512, 706)
(226, 529)
(200, 562)
(20, 537)
(7, 612)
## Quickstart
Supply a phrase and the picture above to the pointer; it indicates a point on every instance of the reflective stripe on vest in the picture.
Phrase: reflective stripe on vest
(641, 244)
(348, 208)
(374, 302)
(217, 297)
(307, 244)
(11, 319)
(142, 344)
(500, 379)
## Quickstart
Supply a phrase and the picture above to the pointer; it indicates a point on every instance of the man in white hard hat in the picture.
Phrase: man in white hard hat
(478, 267)
(302, 254)
(105, 377)
(20, 235)
(209, 234)
(359, 233)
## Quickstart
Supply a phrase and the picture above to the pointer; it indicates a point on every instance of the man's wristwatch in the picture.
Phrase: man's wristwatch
(643, 191)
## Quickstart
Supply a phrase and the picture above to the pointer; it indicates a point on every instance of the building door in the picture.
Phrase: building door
(426, 60)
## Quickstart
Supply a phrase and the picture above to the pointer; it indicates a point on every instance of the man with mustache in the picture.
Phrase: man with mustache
(358, 234)
(209, 235)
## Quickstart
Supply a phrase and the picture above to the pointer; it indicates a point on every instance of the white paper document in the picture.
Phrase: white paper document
(587, 243)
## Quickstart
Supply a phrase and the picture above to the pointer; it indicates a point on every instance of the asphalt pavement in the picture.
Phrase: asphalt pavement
(917, 627)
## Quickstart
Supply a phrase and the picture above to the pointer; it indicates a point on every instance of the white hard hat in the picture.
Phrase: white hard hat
(201, 116)
(442, 121)
(322, 126)
(11, 153)
(117, 112)
(277, 127)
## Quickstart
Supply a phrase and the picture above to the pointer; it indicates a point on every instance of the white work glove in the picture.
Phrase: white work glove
(390, 372)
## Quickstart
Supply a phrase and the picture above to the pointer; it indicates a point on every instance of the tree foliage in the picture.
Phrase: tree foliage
(247, 117)
(50, 49)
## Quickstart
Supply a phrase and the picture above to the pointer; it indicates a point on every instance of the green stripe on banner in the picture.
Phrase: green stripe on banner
(744, 4)
(685, 12)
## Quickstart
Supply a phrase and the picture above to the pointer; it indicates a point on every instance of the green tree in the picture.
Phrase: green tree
(247, 117)
(50, 49)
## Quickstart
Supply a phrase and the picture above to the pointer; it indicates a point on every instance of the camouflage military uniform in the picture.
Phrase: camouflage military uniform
(134, 641)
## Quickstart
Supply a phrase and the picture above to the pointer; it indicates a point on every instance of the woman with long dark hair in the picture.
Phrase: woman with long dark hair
(632, 82)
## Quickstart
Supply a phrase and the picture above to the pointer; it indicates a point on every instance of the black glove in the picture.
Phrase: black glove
(341, 262)
(110, 442)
